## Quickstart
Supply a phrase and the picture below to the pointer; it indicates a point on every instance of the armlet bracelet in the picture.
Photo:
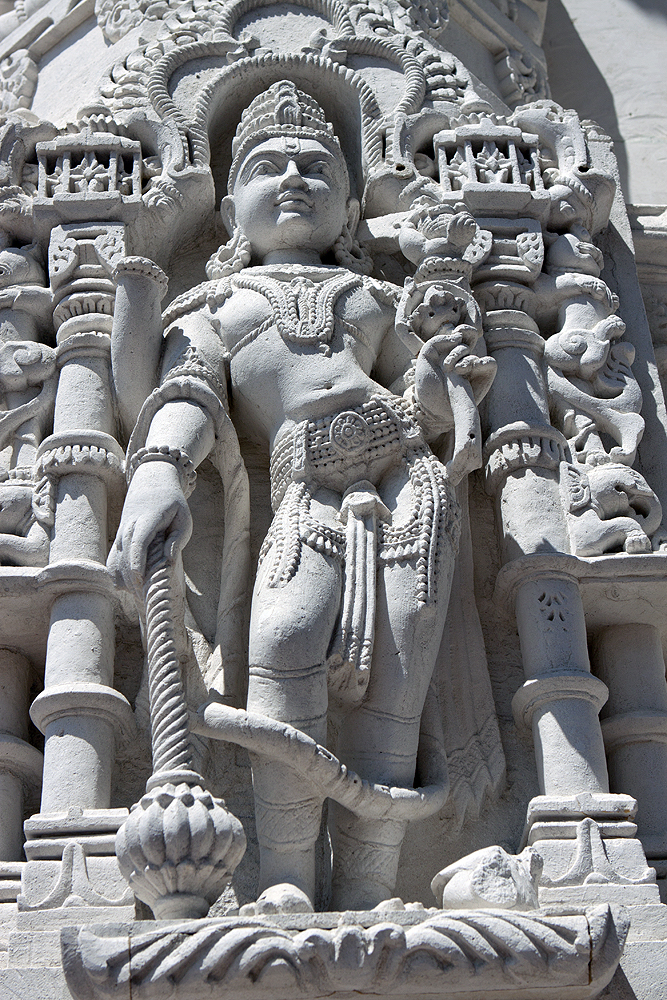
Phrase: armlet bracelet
(163, 453)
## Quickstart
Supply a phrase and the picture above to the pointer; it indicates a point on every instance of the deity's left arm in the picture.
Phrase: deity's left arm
(428, 373)
(136, 337)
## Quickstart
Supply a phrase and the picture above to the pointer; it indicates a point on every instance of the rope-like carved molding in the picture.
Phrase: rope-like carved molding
(491, 952)
(332, 10)
(170, 733)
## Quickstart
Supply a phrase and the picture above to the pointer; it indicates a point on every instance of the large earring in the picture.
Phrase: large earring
(350, 254)
(231, 257)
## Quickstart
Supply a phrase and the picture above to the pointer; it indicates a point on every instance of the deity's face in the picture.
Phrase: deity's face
(290, 196)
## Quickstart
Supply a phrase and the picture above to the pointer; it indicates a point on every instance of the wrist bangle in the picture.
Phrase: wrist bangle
(163, 453)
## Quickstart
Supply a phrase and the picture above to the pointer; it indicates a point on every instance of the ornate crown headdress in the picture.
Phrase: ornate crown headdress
(282, 110)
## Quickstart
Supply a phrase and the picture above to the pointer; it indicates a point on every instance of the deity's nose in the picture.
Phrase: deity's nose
(292, 176)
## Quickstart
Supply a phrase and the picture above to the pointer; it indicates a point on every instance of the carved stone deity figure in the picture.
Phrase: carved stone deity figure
(354, 576)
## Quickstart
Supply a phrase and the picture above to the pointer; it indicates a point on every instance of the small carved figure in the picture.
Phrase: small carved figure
(354, 576)
(27, 368)
(27, 391)
(26, 517)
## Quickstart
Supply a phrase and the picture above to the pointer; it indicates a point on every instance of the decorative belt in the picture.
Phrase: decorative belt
(317, 450)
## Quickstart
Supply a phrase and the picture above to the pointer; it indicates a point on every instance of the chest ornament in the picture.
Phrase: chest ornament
(302, 309)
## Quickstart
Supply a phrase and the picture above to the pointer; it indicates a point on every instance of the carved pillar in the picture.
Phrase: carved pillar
(560, 700)
(20, 762)
(79, 709)
(629, 659)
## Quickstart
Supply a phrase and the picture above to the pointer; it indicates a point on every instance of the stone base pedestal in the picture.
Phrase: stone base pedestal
(72, 861)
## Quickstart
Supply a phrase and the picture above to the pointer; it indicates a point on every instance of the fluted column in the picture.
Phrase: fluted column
(629, 659)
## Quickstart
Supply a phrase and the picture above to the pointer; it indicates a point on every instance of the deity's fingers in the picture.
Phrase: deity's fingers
(479, 371)
(440, 345)
(455, 357)
(178, 532)
(114, 562)
(136, 541)
(117, 561)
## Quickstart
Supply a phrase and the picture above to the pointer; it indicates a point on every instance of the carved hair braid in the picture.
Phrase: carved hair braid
(349, 253)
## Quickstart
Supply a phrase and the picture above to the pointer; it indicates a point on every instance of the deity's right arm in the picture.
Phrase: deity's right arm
(175, 430)
(186, 409)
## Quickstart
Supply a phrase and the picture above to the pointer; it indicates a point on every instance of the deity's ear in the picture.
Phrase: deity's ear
(228, 213)
(353, 213)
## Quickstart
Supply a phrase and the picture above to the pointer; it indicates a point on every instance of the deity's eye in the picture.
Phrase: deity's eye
(318, 168)
(261, 168)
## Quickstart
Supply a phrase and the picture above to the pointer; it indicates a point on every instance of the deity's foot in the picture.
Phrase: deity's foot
(396, 903)
(390, 905)
(282, 898)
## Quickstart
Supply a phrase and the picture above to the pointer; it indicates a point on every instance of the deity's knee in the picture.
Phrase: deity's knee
(291, 624)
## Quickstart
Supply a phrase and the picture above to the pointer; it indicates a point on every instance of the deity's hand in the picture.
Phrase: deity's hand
(155, 503)
(450, 354)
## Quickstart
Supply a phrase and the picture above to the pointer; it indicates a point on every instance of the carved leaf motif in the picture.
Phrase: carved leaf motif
(530, 247)
(480, 248)
(477, 951)
(591, 864)
(110, 247)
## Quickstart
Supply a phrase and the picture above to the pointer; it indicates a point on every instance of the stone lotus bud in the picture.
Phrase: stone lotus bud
(179, 847)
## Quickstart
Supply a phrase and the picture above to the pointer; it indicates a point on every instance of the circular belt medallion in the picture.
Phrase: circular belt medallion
(349, 433)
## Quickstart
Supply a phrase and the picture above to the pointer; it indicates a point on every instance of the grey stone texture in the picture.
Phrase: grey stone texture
(333, 461)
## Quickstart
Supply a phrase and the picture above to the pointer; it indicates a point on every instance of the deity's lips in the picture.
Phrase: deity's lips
(293, 199)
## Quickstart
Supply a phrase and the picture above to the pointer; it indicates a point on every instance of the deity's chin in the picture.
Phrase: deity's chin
(296, 233)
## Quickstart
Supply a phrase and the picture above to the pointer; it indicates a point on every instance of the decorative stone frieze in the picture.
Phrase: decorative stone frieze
(506, 951)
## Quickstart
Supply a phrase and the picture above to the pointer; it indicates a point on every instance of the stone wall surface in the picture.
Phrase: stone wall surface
(611, 69)
(333, 461)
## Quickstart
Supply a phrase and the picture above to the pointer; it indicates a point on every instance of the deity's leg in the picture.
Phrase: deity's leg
(291, 627)
(379, 739)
